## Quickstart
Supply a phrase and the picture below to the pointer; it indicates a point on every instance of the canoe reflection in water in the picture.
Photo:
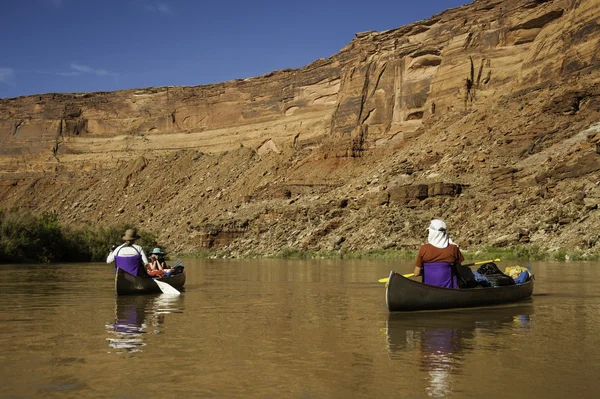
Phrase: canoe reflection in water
(438, 342)
(137, 315)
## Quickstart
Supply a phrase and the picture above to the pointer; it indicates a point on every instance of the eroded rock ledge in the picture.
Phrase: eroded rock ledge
(486, 115)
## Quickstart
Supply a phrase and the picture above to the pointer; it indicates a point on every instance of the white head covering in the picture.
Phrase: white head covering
(438, 237)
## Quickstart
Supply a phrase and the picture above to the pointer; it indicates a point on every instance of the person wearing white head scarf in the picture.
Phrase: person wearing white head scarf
(438, 260)
(438, 236)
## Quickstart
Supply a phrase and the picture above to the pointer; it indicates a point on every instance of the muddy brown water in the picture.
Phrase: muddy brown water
(291, 329)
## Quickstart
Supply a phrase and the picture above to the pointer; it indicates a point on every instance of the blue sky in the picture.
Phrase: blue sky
(57, 46)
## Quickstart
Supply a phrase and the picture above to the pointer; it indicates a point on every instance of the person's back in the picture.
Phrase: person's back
(437, 260)
(129, 256)
(438, 265)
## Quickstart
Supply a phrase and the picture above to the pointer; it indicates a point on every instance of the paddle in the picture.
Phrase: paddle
(385, 280)
(178, 262)
(166, 288)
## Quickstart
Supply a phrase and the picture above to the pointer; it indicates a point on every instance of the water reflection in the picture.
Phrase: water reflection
(437, 343)
(138, 315)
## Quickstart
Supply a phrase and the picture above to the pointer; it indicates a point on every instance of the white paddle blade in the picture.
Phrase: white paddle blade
(166, 288)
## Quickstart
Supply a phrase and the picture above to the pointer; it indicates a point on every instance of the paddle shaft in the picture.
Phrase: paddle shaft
(482, 262)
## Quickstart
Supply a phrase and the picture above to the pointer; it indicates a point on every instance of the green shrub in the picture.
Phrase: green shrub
(29, 238)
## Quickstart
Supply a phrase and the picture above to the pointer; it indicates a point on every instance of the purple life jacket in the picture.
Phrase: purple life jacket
(131, 264)
(440, 274)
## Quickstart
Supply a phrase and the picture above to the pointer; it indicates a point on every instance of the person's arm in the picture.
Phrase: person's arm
(144, 257)
(419, 262)
(111, 255)
(459, 257)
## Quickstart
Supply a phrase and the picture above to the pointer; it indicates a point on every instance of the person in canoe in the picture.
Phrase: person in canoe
(129, 256)
(157, 265)
(438, 260)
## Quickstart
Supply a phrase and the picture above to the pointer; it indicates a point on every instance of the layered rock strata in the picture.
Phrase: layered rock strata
(485, 115)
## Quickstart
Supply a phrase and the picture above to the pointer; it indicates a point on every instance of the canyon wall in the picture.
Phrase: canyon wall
(486, 115)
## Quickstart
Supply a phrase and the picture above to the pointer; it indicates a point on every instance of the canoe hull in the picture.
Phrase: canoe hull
(403, 294)
(128, 284)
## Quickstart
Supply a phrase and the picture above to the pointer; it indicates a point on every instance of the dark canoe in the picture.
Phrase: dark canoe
(403, 294)
(127, 284)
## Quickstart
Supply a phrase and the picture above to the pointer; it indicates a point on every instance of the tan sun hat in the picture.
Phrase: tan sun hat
(130, 235)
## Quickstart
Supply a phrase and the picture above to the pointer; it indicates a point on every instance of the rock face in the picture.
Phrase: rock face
(487, 116)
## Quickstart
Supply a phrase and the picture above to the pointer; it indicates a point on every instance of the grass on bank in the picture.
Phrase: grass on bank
(516, 253)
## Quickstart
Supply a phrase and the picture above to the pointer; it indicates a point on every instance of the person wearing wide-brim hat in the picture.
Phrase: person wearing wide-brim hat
(131, 235)
(128, 256)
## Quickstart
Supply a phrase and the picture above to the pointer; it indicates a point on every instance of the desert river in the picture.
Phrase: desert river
(291, 329)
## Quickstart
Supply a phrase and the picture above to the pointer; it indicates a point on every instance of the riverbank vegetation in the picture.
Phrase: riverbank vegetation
(519, 253)
(29, 238)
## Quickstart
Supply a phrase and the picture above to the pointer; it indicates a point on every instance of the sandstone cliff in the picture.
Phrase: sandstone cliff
(487, 116)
